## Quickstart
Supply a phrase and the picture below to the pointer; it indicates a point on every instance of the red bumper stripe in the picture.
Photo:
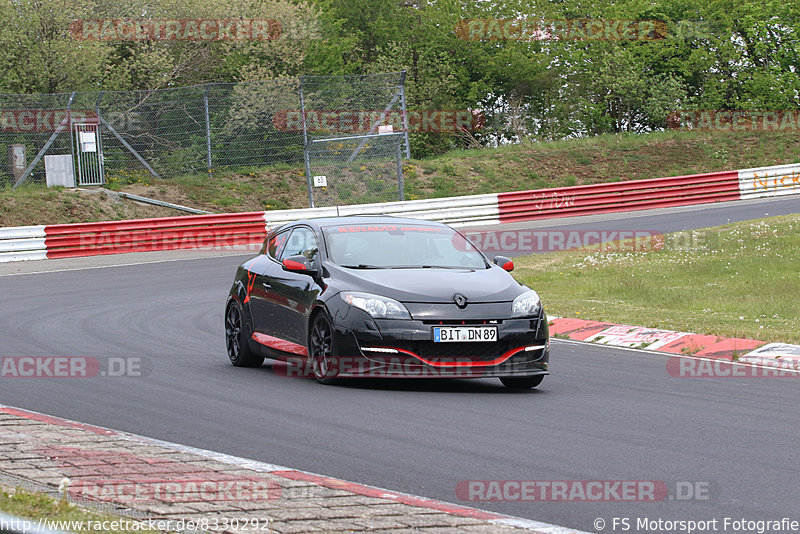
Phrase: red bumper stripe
(496, 361)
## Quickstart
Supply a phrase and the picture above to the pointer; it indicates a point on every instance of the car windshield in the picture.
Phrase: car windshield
(400, 246)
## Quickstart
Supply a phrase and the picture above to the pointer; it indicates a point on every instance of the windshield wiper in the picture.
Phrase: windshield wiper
(362, 266)
(368, 266)
(431, 267)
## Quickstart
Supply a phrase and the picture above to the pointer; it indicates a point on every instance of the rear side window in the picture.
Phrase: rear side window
(275, 244)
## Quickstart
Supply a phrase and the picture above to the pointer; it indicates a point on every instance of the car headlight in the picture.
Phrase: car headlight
(526, 305)
(378, 307)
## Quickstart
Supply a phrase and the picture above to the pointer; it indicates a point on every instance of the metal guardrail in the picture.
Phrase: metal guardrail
(165, 233)
(227, 230)
(22, 243)
(161, 203)
(458, 211)
(619, 196)
(770, 181)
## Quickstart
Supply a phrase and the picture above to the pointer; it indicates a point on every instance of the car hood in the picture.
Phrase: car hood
(432, 285)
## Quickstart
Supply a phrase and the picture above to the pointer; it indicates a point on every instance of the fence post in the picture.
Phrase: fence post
(208, 130)
(405, 111)
(72, 147)
(100, 158)
(400, 181)
(305, 146)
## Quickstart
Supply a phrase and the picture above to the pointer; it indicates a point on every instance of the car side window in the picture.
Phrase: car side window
(275, 243)
(302, 242)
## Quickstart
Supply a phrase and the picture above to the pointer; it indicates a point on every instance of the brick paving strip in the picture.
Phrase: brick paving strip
(157, 479)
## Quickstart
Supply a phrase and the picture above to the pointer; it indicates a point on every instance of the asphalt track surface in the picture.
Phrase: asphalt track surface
(604, 414)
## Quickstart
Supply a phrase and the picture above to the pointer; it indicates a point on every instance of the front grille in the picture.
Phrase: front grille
(438, 352)
(459, 322)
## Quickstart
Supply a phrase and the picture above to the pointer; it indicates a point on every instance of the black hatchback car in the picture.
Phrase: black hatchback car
(384, 297)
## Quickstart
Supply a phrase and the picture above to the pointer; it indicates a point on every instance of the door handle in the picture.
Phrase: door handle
(266, 286)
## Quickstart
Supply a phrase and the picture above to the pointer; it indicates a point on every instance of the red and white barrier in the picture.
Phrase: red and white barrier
(619, 196)
(234, 229)
(458, 211)
(143, 235)
(22, 243)
(770, 181)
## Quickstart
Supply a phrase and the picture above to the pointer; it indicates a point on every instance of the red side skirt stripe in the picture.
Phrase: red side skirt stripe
(279, 344)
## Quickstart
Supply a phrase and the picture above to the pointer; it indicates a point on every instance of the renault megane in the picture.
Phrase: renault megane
(385, 297)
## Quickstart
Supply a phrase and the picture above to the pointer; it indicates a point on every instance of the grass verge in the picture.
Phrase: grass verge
(60, 513)
(30, 205)
(737, 280)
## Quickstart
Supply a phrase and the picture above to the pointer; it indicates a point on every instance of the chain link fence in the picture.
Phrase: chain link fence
(201, 129)
(356, 170)
(353, 154)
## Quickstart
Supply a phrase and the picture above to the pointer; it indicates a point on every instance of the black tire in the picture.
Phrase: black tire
(236, 339)
(320, 349)
(522, 382)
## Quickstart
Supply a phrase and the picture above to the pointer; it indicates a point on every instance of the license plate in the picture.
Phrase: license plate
(455, 334)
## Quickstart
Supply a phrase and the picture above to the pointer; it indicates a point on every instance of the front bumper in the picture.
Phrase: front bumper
(405, 348)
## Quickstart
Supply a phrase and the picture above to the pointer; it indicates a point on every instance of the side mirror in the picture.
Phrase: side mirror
(298, 264)
(504, 262)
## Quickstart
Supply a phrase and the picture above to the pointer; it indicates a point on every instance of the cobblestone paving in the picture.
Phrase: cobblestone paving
(119, 469)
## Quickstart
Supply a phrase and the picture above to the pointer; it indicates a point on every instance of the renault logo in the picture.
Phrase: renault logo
(460, 300)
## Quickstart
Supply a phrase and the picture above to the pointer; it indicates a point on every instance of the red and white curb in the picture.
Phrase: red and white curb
(781, 355)
(294, 474)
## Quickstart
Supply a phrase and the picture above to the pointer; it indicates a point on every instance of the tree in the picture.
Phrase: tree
(37, 54)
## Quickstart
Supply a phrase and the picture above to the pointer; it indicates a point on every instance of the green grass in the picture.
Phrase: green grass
(737, 280)
(35, 506)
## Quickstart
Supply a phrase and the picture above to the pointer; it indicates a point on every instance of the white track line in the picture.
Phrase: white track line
(91, 267)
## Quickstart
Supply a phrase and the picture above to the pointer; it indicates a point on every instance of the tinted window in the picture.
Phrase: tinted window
(275, 243)
(302, 242)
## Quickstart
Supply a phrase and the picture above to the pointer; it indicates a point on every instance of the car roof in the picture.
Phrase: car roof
(322, 222)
